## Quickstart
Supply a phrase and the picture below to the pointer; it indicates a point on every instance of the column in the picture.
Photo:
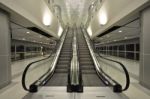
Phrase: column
(5, 60)
(145, 48)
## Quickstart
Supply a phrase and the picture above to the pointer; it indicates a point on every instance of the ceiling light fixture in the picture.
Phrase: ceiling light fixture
(47, 18)
(23, 39)
(102, 18)
(28, 32)
(89, 31)
(125, 37)
(120, 31)
(60, 31)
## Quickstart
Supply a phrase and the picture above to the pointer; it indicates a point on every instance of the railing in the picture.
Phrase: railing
(44, 69)
(75, 75)
(106, 72)
(123, 69)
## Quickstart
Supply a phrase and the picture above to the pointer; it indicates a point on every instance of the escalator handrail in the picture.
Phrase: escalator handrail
(124, 69)
(120, 64)
(31, 64)
(27, 68)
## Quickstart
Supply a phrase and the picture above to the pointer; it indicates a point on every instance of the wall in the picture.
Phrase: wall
(145, 49)
(5, 67)
(115, 11)
(32, 11)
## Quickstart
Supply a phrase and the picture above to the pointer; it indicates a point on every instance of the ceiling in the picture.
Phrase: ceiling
(74, 11)
(21, 33)
(129, 31)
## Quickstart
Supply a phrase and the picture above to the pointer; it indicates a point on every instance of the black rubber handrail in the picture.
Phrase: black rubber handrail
(124, 69)
(30, 64)
(27, 68)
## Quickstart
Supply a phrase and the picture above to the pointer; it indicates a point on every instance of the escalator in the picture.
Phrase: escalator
(61, 72)
(74, 65)
(89, 75)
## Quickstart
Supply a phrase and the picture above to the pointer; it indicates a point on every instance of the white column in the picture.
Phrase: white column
(5, 61)
(145, 48)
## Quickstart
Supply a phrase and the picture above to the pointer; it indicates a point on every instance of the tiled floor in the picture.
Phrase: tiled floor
(18, 67)
(15, 90)
(131, 65)
(135, 91)
(89, 93)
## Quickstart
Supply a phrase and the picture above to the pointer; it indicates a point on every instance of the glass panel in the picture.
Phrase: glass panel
(130, 47)
(121, 48)
(122, 54)
(130, 55)
(137, 56)
(20, 48)
(137, 47)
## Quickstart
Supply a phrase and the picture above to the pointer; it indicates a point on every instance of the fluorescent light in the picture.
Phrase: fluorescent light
(60, 31)
(89, 31)
(120, 31)
(28, 32)
(125, 37)
(102, 18)
(46, 19)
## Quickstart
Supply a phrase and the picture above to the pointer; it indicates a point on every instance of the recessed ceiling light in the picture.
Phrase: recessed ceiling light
(120, 31)
(125, 37)
(28, 32)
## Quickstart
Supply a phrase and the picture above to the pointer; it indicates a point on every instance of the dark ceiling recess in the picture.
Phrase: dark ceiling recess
(109, 30)
(37, 30)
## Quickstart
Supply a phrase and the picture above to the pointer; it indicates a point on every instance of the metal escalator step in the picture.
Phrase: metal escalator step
(58, 79)
(85, 53)
(65, 58)
(84, 56)
(61, 70)
(89, 71)
(86, 63)
(63, 62)
(62, 67)
(87, 67)
(92, 80)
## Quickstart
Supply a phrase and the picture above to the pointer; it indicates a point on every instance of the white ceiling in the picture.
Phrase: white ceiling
(129, 31)
(20, 33)
(74, 11)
